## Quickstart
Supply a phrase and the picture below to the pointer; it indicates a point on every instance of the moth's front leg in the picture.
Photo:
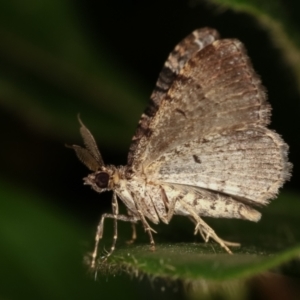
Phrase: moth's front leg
(100, 229)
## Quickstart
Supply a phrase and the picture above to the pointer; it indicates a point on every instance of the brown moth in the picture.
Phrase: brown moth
(201, 147)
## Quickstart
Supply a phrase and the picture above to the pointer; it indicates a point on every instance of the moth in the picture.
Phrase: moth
(202, 147)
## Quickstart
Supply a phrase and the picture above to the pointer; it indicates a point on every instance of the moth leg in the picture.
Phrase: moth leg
(99, 233)
(147, 227)
(206, 237)
(205, 228)
(134, 235)
(171, 209)
(199, 229)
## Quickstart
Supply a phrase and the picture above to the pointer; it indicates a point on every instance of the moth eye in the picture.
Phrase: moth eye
(102, 179)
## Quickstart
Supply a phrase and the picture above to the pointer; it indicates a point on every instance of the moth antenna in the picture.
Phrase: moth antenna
(90, 142)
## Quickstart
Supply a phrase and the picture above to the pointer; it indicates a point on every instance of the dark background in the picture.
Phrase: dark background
(136, 37)
(139, 36)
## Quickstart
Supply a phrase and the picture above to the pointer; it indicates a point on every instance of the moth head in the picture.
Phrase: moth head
(102, 177)
(103, 180)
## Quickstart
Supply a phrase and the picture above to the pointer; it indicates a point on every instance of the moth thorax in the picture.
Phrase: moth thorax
(102, 180)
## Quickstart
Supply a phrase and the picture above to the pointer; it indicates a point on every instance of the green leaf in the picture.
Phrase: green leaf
(195, 261)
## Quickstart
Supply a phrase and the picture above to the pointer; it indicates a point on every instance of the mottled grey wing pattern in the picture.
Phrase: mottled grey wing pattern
(215, 102)
(249, 164)
(183, 51)
(216, 91)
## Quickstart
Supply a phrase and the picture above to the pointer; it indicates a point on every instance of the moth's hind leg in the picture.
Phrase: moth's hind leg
(204, 229)
(206, 237)
(199, 229)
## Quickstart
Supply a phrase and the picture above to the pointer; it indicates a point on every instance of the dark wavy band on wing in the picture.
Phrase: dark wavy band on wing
(182, 53)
